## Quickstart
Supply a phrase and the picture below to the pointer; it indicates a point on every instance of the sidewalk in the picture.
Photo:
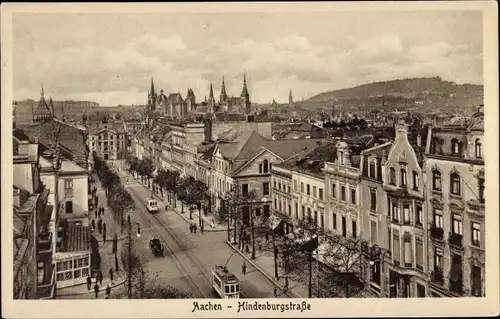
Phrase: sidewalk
(208, 221)
(264, 263)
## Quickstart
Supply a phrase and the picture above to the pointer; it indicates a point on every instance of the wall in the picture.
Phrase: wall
(79, 194)
(23, 176)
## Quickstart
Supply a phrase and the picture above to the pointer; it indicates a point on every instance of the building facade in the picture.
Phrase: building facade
(455, 209)
(108, 140)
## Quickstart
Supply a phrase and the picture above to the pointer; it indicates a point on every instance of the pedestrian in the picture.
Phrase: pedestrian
(92, 223)
(99, 277)
(104, 227)
(96, 211)
(117, 265)
(99, 225)
(89, 282)
(104, 237)
(111, 274)
(275, 291)
(244, 268)
(96, 200)
(194, 227)
(191, 228)
(96, 290)
(108, 291)
(128, 219)
(201, 228)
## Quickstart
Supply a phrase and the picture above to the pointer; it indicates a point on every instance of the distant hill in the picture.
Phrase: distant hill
(417, 94)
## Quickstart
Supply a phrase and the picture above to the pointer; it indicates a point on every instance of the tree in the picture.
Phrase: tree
(141, 280)
(161, 179)
(197, 195)
(172, 181)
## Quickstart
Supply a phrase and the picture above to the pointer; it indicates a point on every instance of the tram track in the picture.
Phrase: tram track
(193, 260)
(187, 275)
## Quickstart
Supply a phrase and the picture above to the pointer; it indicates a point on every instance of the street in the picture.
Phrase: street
(188, 257)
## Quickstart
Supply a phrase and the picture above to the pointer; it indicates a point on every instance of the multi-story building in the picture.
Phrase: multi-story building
(33, 269)
(454, 172)
(108, 140)
(393, 203)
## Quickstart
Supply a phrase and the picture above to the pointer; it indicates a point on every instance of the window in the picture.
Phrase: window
(403, 177)
(479, 151)
(260, 168)
(322, 221)
(373, 200)
(334, 193)
(476, 281)
(301, 187)
(344, 226)
(275, 204)
(457, 224)
(353, 196)
(308, 189)
(303, 211)
(415, 180)
(69, 207)
(455, 184)
(420, 253)
(314, 191)
(481, 190)
(289, 210)
(309, 217)
(455, 147)
(372, 170)
(408, 253)
(375, 273)
(257, 212)
(244, 189)
(266, 211)
(68, 184)
(396, 250)
(373, 232)
(419, 215)
(289, 190)
(296, 211)
(438, 258)
(438, 218)
(342, 193)
(265, 188)
(294, 185)
(406, 214)
(315, 217)
(354, 229)
(395, 212)
(320, 193)
(436, 180)
(279, 186)
(341, 157)
(389, 237)
(274, 183)
(476, 234)
(266, 166)
(334, 219)
(392, 176)
(420, 291)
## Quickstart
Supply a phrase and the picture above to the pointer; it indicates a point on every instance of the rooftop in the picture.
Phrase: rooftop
(77, 238)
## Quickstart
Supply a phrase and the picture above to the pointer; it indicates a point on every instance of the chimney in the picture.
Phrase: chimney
(419, 140)
(481, 108)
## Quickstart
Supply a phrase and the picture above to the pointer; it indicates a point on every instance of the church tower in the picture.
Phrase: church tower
(152, 97)
(43, 112)
(245, 97)
(211, 100)
(290, 98)
(223, 94)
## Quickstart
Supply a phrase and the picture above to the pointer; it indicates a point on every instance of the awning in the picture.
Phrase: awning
(274, 221)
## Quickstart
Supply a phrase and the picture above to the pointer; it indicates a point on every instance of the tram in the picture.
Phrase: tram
(152, 205)
(225, 283)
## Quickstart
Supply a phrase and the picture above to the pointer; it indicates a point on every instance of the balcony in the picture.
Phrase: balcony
(437, 276)
(436, 233)
(455, 241)
(44, 244)
(47, 289)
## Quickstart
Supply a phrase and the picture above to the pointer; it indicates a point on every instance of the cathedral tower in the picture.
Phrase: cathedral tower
(245, 97)
(223, 94)
(152, 97)
(211, 100)
(290, 98)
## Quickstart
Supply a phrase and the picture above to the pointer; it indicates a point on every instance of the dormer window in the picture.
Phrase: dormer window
(392, 176)
(372, 170)
(436, 180)
(341, 158)
(266, 166)
(403, 177)
(479, 150)
(481, 190)
(455, 184)
(415, 180)
(455, 147)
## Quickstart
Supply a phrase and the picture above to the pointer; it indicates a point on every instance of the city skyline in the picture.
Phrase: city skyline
(110, 58)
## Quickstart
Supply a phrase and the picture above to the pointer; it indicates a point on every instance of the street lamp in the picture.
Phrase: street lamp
(138, 229)
(376, 254)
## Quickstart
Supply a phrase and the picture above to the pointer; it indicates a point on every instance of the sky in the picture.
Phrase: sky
(111, 58)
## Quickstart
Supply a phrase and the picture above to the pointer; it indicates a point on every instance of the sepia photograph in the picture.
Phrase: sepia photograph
(271, 161)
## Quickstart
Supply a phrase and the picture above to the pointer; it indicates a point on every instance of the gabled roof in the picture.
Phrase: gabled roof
(251, 140)
(175, 98)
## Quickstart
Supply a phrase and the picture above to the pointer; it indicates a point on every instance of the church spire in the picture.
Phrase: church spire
(290, 98)
(152, 87)
(223, 94)
(41, 93)
(245, 97)
(211, 93)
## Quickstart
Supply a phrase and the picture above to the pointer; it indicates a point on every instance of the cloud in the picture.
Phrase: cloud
(121, 75)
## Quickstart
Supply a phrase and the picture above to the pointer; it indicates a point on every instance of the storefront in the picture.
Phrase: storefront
(72, 268)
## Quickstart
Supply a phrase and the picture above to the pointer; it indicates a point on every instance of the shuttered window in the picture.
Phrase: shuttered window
(396, 248)
(420, 253)
(408, 251)
(373, 233)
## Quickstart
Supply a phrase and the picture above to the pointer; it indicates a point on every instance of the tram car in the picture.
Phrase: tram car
(225, 283)
(152, 205)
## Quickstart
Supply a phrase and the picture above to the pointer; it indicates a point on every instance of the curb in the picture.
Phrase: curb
(90, 291)
(175, 211)
(269, 277)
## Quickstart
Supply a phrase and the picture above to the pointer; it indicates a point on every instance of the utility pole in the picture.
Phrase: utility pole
(130, 261)
(310, 274)
(275, 253)
(253, 232)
